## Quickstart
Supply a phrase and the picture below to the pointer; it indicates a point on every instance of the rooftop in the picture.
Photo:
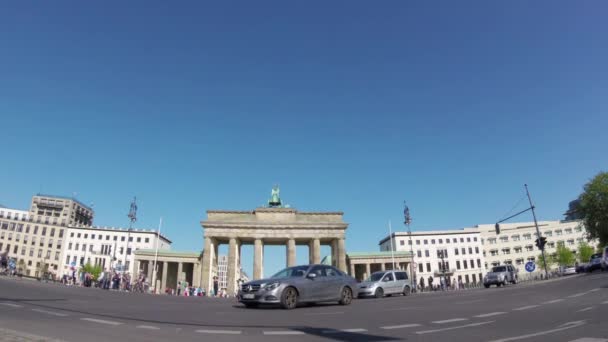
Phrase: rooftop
(65, 198)
(169, 253)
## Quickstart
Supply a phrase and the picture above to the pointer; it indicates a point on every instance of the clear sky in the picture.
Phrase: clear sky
(350, 106)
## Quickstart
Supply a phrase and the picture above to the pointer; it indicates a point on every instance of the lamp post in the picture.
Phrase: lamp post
(407, 221)
(132, 219)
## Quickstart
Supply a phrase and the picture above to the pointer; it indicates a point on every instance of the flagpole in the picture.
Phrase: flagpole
(390, 229)
(156, 256)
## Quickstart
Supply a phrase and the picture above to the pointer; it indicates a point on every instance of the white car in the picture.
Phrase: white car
(567, 270)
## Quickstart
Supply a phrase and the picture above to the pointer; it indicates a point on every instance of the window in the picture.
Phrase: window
(139, 240)
(70, 246)
(527, 237)
(571, 242)
(86, 236)
(478, 263)
(440, 241)
(400, 275)
(58, 244)
(432, 241)
(517, 249)
(464, 263)
(504, 239)
(99, 237)
(78, 236)
(549, 233)
(426, 253)
(472, 263)
(50, 243)
(515, 238)
(558, 232)
(420, 268)
(71, 234)
(417, 242)
(40, 253)
(107, 237)
(401, 242)
(492, 241)
(419, 253)
(476, 250)
(519, 261)
(493, 252)
(463, 250)
(122, 249)
(568, 230)
(529, 248)
(116, 238)
(506, 251)
(426, 242)
(475, 239)
(52, 231)
(474, 279)
(41, 242)
(468, 239)
(531, 258)
(90, 247)
(457, 264)
(77, 246)
(15, 249)
(67, 259)
(57, 256)
(148, 240)
(84, 247)
(131, 239)
(455, 251)
(428, 267)
(60, 233)
(122, 238)
(578, 229)
(461, 239)
(454, 240)
(470, 250)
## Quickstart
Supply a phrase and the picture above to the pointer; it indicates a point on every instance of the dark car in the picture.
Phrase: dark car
(595, 262)
(300, 284)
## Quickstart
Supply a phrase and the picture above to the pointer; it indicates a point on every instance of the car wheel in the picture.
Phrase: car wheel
(289, 298)
(487, 286)
(514, 281)
(407, 291)
(347, 296)
(379, 293)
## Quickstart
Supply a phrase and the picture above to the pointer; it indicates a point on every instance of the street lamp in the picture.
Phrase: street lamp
(407, 221)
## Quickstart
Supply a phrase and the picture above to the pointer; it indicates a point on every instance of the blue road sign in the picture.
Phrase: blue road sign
(530, 266)
(73, 263)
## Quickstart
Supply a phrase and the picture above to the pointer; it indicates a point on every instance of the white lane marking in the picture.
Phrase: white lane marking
(526, 307)
(577, 295)
(606, 302)
(452, 328)
(554, 301)
(149, 327)
(565, 326)
(50, 312)
(324, 313)
(338, 331)
(94, 320)
(590, 339)
(402, 326)
(597, 289)
(490, 314)
(223, 332)
(449, 320)
(585, 309)
(12, 305)
(283, 332)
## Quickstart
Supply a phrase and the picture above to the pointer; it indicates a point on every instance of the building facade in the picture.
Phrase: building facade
(515, 244)
(470, 252)
(463, 259)
(108, 247)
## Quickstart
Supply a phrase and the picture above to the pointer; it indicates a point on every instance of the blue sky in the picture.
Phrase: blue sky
(452, 106)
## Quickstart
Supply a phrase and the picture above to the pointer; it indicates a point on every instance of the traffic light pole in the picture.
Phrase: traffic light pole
(542, 250)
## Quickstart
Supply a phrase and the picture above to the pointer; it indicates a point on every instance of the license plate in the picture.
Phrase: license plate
(248, 296)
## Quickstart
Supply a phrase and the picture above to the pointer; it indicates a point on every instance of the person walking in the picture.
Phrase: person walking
(431, 283)
(421, 284)
(179, 288)
(216, 286)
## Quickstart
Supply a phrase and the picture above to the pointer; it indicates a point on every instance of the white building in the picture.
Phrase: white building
(222, 272)
(108, 247)
(463, 258)
(471, 252)
(516, 242)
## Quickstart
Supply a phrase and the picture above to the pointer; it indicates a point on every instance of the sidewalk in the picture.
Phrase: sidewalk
(7, 335)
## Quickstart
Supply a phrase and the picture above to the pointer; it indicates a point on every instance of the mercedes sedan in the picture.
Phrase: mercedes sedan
(300, 284)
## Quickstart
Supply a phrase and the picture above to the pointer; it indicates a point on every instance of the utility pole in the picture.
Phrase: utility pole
(132, 219)
(407, 221)
(542, 245)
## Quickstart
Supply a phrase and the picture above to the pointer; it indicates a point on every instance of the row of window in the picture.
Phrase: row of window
(20, 227)
(548, 233)
(460, 264)
(100, 237)
(9, 237)
(457, 251)
(15, 251)
(105, 249)
(518, 261)
(530, 248)
(439, 241)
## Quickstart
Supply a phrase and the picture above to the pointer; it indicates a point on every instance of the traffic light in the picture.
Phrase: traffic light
(537, 243)
(541, 242)
(497, 227)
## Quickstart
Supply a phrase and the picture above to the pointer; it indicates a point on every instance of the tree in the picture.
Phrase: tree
(584, 252)
(550, 260)
(593, 208)
(564, 256)
(94, 270)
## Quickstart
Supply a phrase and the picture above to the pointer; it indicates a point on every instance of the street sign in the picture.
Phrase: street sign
(530, 266)
(73, 263)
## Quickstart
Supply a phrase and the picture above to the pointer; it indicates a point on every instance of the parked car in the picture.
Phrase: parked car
(384, 283)
(595, 262)
(300, 284)
(581, 268)
(567, 270)
(501, 275)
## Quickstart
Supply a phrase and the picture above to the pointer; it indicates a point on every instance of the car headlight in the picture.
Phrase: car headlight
(271, 286)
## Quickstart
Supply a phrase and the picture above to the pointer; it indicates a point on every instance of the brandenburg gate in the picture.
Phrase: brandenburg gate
(272, 225)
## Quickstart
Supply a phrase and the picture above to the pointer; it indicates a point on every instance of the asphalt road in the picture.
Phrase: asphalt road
(566, 309)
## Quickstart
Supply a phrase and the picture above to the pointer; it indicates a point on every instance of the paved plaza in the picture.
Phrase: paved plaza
(565, 309)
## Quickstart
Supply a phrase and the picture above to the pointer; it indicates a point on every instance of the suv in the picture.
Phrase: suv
(500, 275)
(386, 283)
(595, 262)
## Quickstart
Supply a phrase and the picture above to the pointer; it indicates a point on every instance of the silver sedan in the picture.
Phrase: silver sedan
(300, 284)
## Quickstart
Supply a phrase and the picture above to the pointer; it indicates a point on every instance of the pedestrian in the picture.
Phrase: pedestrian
(431, 283)
(216, 285)
(421, 284)
(179, 288)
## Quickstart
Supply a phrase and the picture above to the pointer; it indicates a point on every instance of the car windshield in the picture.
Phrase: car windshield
(499, 269)
(375, 277)
(292, 272)
(596, 256)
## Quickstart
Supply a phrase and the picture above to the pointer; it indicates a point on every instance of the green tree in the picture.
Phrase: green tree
(584, 252)
(94, 270)
(550, 260)
(564, 256)
(593, 208)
